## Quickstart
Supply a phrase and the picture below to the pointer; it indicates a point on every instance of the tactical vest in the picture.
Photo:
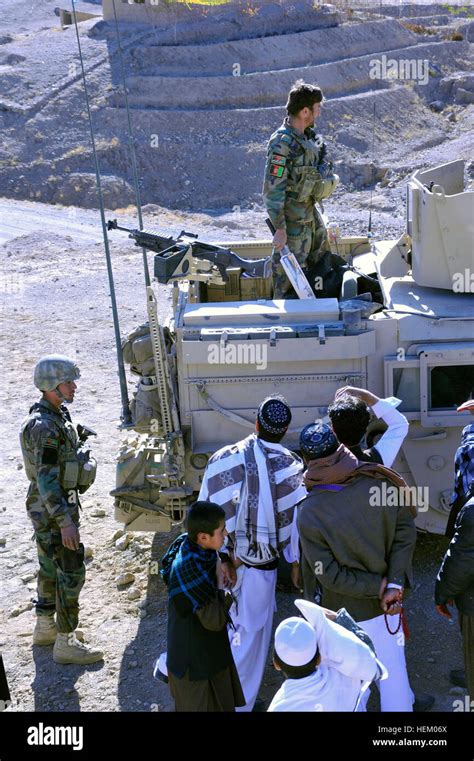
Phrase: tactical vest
(77, 468)
(305, 183)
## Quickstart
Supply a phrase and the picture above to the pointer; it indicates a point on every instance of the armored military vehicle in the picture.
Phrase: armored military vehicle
(403, 325)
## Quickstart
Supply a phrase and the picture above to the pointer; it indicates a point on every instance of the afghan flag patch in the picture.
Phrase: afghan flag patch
(277, 171)
(279, 160)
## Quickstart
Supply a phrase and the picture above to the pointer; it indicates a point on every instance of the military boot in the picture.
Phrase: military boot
(69, 649)
(45, 630)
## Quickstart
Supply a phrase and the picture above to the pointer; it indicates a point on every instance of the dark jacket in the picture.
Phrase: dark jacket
(198, 642)
(456, 576)
(349, 545)
(463, 477)
(366, 455)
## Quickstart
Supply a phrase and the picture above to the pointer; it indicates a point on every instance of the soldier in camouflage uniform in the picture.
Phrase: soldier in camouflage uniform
(58, 466)
(296, 177)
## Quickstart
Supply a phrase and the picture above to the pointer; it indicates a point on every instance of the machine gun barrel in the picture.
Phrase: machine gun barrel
(150, 241)
(174, 257)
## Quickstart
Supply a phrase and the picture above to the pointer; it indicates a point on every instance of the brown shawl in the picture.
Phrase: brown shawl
(342, 467)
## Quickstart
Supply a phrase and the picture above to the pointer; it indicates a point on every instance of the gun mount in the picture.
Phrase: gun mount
(186, 258)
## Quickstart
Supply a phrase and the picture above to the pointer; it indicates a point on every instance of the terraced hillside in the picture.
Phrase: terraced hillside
(203, 111)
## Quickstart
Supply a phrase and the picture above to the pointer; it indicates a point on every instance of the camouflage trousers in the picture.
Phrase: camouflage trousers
(60, 579)
(307, 242)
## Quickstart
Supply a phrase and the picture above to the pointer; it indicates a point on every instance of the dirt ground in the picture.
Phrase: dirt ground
(55, 298)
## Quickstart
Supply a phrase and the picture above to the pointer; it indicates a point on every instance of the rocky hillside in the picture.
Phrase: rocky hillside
(206, 93)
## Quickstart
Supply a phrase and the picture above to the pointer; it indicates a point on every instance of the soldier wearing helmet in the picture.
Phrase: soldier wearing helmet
(59, 466)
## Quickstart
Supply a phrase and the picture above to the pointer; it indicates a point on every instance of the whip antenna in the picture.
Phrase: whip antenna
(369, 229)
(125, 416)
(132, 147)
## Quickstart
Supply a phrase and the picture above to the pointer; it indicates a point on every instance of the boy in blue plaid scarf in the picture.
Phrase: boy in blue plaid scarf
(201, 671)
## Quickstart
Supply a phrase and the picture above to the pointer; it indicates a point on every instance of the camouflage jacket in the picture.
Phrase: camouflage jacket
(49, 443)
(292, 179)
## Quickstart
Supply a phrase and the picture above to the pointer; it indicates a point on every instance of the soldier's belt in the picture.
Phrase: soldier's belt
(301, 223)
(293, 195)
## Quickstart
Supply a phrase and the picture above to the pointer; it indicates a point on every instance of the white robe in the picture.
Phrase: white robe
(395, 691)
(347, 667)
(253, 619)
(324, 690)
(255, 589)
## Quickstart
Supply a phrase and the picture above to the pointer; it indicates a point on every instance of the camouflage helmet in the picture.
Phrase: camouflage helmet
(54, 369)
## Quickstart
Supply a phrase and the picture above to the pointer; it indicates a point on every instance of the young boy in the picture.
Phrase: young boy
(328, 661)
(201, 672)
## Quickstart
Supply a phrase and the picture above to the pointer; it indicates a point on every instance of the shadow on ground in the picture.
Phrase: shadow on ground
(137, 689)
(52, 680)
(433, 649)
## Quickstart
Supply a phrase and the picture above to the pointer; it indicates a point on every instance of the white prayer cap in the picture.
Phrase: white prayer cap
(295, 641)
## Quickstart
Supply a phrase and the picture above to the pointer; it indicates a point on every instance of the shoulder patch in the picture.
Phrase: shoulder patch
(51, 442)
(278, 159)
(50, 455)
(277, 171)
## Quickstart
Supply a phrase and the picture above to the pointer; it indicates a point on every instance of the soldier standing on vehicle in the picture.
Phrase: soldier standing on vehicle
(297, 176)
(58, 467)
